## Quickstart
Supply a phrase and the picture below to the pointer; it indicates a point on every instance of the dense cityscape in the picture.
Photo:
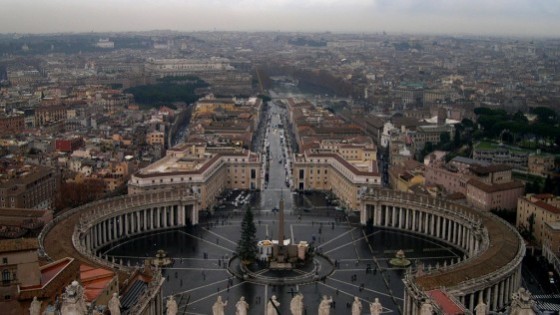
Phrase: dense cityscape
(160, 172)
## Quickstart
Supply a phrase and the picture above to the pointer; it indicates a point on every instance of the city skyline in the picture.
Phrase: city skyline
(510, 18)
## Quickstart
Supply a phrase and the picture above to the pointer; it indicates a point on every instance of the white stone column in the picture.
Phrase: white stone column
(432, 224)
(126, 224)
(438, 226)
(495, 294)
(455, 232)
(426, 223)
(444, 229)
(471, 301)
(164, 209)
(158, 217)
(501, 294)
(413, 220)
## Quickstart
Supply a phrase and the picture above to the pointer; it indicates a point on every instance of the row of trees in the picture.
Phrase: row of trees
(514, 128)
(167, 91)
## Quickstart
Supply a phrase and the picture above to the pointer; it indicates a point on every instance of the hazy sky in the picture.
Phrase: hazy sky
(511, 17)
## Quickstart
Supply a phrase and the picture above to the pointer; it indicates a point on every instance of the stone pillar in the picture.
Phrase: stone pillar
(454, 231)
(488, 296)
(500, 294)
(413, 220)
(432, 224)
(164, 209)
(471, 301)
(438, 226)
(126, 224)
(508, 290)
(495, 296)
(103, 232)
(444, 229)
(158, 217)
(386, 210)
(393, 216)
(145, 214)
(426, 223)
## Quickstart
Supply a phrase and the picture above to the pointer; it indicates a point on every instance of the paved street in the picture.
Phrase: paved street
(277, 169)
(199, 272)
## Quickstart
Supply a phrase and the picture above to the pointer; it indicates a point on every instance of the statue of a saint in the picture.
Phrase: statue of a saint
(241, 306)
(272, 305)
(218, 307)
(35, 307)
(171, 306)
(296, 305)
(480, 308)
(356, 306)
(375, 308)
(427, 308)
(325, 306)
(115, 305)
(73, 302)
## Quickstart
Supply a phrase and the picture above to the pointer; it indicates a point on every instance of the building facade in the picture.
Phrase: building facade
(31, 186)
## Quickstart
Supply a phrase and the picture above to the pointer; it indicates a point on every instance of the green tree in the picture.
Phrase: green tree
(247, 246)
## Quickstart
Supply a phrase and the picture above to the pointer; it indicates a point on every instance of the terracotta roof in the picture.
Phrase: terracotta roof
(447, 305)
(495, 187)
(479, 169)
(547, 207)
(94, 280)
(48, 272)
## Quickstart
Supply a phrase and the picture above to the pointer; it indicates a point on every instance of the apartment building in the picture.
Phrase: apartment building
(546, 211)
(205, 170)
(29, 186)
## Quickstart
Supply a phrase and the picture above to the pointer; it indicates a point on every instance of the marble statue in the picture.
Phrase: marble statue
(296, 305)
(35, 307)
(218, 307)
(115, 305)
(480, 308)
(73, 302)
(171, 306)
(325, 306)
(522, 303)
(356, 306)
(427, 308)
(375, 308)
(241, 306)
(270, 306)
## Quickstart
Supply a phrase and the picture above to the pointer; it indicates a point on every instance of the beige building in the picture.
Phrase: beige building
(546, 209)
(540, 164)
(328, 171)
(30, 186)
(205, 170)
(155, 137)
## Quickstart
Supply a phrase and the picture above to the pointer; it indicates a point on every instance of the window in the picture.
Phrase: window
(5, 260)
(6, 276)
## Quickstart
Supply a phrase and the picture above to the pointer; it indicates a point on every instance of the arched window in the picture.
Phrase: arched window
(6, 276)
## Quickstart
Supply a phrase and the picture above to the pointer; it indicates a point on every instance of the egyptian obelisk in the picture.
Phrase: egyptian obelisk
(281, 220)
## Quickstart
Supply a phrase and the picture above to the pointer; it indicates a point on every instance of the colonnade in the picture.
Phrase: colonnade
(457, 231)
(136, 221)
(467, 281)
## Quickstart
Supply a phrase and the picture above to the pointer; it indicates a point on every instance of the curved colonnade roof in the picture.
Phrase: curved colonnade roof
(504, 245)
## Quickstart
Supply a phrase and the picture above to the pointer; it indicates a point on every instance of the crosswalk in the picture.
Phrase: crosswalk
(547, 306)
(546, 296)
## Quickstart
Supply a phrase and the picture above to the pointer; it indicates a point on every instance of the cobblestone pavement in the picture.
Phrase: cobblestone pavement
(199, 272)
